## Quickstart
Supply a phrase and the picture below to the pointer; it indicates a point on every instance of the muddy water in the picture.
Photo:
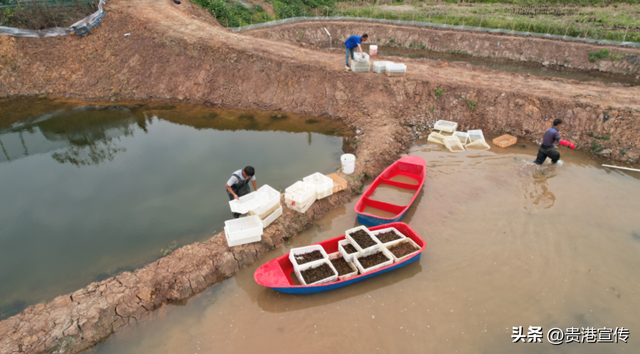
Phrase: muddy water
(508, 244)
(91, 190)
(404, 179)
(392, 194)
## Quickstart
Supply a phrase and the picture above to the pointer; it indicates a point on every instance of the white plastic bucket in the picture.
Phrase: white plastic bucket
(348, 163)
(373, 49)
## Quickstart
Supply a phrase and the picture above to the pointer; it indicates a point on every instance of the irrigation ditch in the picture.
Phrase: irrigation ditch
(183, 54)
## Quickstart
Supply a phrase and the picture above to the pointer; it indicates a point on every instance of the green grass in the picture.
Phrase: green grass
(438, 92)
(602, 54)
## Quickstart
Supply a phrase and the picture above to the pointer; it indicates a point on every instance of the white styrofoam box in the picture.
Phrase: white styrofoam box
(390, 243)
(273, 201)
(247, 202)
(306, 249)
(300, 193)
(360, 66)
(396, 259)
(324, 184)
(348, 257)
(464, 137)
(445, 125)
(272, 217)
(436, 137)
(363, 251)
(380, 66)
(475, 135)
(361, 57)
(453, 144)
(301, 208)
(243, 230)
(346, 276)
(377, 266)
(306, 266)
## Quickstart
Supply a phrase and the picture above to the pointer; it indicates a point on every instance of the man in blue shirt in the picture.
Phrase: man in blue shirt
(351, 44)
(547, 149)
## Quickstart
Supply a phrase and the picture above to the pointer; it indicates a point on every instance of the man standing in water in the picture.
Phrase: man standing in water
(547, 149)
(238, 184)
(351, 44)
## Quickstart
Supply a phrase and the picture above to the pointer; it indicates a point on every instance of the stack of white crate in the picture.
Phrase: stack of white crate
(300, 196)
(323, 184)
(271, 209)
(361, 63)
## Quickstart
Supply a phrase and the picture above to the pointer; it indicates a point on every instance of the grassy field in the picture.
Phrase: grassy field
(612, 20)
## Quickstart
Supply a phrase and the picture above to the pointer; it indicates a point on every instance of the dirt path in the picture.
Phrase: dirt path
(179, 52)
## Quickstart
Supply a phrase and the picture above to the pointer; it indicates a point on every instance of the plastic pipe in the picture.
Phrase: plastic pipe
(622, 168)
(330, 40)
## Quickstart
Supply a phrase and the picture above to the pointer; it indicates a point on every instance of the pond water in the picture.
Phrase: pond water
(91, 190)
(509, 244)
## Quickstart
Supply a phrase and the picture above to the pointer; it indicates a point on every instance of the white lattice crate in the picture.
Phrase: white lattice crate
(300, 193)
(300, 208)
(476, 140)
(445, 126)
(272, 204)
(337, 255)
(324, 184)
(396, 259)
(363, 251)
(384, 251)
(304, 267)
(475, 135)
(380, 66)
(464, 137)
(389, 229)
(453, 144)
(296, 252)
(360, 66)
(243, 230)
(272, 217)
(248, 202)
(436, 137)
(395, 69)
(361, 57)
(349, 257)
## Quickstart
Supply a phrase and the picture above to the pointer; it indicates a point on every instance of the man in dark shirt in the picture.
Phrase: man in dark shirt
(547, 149)
(351, 44)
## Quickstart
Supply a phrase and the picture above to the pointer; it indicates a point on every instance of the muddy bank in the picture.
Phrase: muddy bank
(546, 52)
(180, 54)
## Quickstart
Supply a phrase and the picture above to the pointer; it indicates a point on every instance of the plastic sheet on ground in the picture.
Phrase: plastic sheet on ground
(52, 32)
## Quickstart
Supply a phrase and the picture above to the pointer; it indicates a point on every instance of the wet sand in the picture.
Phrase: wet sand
(508, 244)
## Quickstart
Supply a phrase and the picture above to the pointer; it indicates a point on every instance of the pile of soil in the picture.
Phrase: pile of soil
(342, 266)
(372, 260)
(313, 275)
(349, 248)
(363, 239)
(388, 237)
(402, 249)
(308, 257)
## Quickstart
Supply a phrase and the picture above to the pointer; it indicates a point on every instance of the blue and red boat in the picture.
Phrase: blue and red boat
(277, 274)
(412, 168)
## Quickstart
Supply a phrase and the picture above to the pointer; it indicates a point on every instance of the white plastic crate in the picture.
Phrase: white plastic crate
(243, 230)
(377, 266)
(395, 69)
(453, 144)
(300, 208)
(396, 259)
(445, 126)
(346, 276)
(324, 184)
(360, 66)
(476, 140)
(248, 202)
(390, 243)
(436, 137)
(272, 217)
(304, 267)
(475, 135)
(307, 249)
(361, 57)
(273, 202)
(380, 66)
(478, 144)
(464, 137)
(363, 251)
(300, 193)
(348, 257)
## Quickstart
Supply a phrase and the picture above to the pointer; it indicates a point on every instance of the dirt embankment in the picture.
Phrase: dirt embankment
(547, 52)
(180, 53)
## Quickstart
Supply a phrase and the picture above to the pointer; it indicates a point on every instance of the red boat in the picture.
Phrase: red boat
(413, 168)
(277, 273)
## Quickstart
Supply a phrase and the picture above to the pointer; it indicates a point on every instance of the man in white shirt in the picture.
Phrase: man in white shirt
(238, 184)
